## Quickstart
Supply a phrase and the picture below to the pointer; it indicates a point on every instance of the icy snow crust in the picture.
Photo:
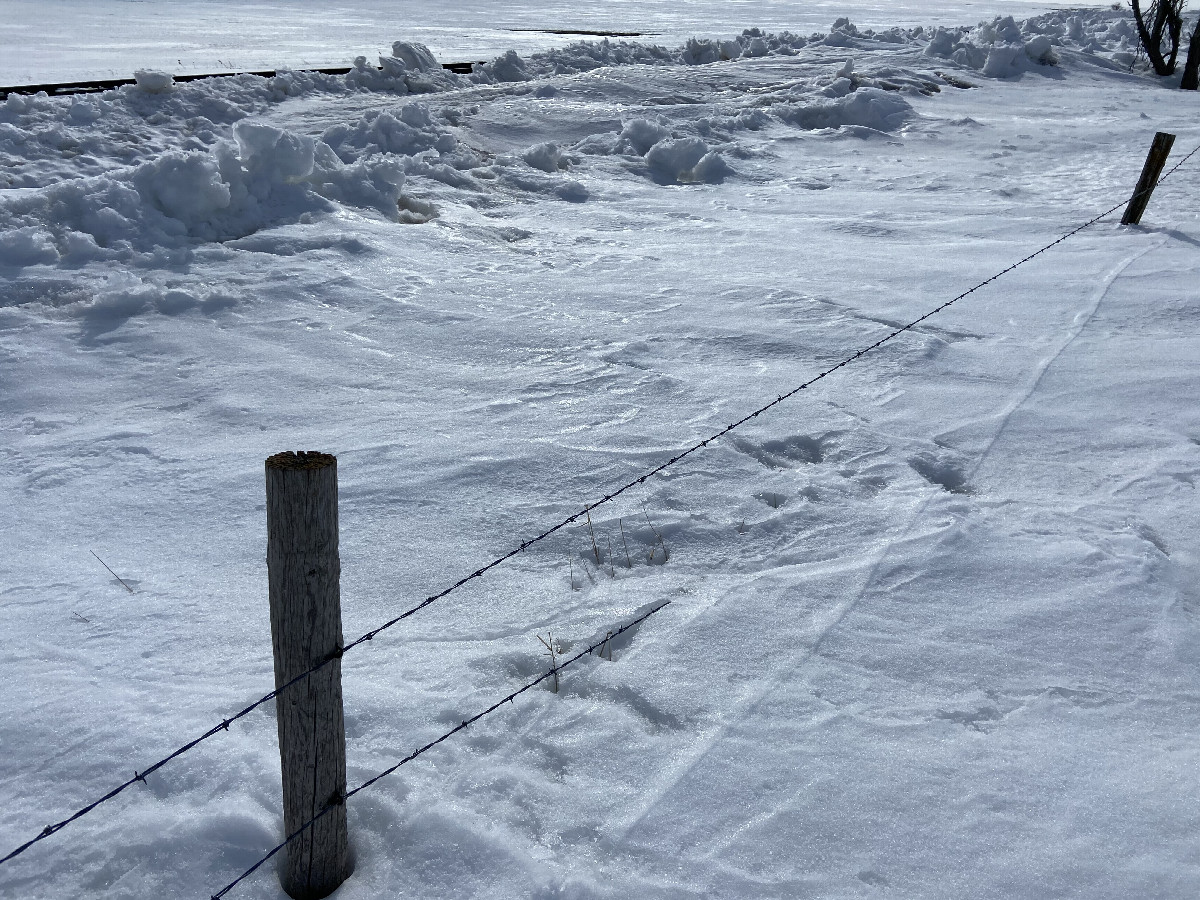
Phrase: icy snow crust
(934, 624)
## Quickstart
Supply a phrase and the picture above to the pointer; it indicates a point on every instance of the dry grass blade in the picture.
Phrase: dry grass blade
(549, 645)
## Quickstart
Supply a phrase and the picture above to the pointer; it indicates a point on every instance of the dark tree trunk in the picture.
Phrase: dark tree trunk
(1191, 68)
(1166, 18)
(1175, 30)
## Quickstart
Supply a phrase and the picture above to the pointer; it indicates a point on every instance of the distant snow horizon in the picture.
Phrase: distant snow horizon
(55, 41)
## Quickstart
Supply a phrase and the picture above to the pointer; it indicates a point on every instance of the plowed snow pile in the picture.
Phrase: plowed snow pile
(934, 626)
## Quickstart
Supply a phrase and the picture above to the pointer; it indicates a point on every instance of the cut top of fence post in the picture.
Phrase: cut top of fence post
(301, 502)
(301, 459)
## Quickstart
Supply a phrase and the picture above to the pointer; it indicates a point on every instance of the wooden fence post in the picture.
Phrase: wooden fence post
(1159, 150)
(303, 572)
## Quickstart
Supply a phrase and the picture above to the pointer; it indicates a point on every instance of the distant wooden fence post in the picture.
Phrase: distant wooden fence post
(1159, 150)
(303, 572)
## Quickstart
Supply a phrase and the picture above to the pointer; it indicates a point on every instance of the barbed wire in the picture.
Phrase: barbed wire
(50, 830)
(466, 723)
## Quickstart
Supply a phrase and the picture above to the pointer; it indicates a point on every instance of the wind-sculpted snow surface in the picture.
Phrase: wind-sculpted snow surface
(145, 171)
(153, 212)
(232, 174)
(38, 134)
(934, 620)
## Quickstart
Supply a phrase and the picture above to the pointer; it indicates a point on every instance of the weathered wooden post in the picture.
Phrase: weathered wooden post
(1159, 150)
(303, 572)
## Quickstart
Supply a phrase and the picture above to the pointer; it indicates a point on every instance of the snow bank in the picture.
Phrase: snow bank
(1004, 47)
(154, 212)
(155, 115)
(173, 164)
(411, 68)
(671, 155)
(38, 132)
(27, 246)
(866, 107)
(407, 131)
(998, 49)
(177, 164)
(1017, 46)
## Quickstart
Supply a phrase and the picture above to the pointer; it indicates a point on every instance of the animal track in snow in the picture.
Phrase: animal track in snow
(783, 454)
(983, 719)
(943, 471)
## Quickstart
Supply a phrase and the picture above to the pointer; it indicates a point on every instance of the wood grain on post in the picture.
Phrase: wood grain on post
(1159, 150)
(304, 571)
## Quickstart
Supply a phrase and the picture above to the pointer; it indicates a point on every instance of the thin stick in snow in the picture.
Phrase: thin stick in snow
(549, 645)
(666, 552)
(592, 535)
(111, 572)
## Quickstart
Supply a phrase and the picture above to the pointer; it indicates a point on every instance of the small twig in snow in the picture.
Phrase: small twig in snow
(114, 574)
(592, 535)
(666, 552)
(549, 645)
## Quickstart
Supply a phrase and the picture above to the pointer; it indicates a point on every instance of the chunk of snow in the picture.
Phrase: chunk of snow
(507, 68)
(867, 107)
(686, 160)
(642, 134)
(1041, 50)
(416, 57)
(153, 81)
(545, 156)
(26, 246)
(1005, 61)
(184, 186)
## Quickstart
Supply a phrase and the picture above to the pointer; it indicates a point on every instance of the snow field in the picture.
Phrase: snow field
(932, 626)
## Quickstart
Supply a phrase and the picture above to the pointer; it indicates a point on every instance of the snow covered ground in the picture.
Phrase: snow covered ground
(935, 624)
